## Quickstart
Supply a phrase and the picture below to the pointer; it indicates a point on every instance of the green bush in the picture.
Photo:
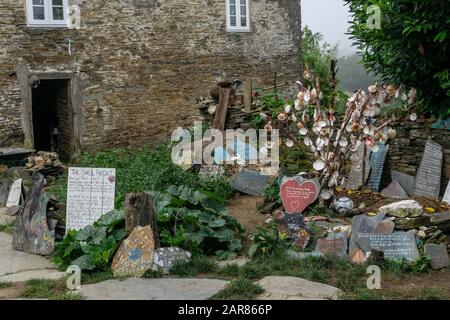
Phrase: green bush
(93, 247)
(197, 221)
(143, 169)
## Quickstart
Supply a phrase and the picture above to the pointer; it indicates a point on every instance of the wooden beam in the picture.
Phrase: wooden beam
(222, 109)
(248, 95)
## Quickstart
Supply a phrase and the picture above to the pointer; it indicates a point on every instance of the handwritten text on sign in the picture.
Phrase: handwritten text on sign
(90, 194)
(297, 196)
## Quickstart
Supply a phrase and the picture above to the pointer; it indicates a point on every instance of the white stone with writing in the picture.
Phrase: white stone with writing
(446, 197)
(90, 194)
(14, 194)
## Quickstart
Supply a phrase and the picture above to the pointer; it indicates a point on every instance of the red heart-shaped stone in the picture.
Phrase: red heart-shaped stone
(297, 196)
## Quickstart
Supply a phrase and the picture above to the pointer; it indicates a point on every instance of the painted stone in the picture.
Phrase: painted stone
(251, 182)
(395, 246)
(31, 231)
(298, 195)
(342, 205)
(394, 190)
(135, 254)
(405, 180)
(165, 258)
(438, 255)
(402, 209)
(294, 227)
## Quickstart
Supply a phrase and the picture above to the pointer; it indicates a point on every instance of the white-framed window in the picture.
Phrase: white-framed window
(47, 13)
(238, 15)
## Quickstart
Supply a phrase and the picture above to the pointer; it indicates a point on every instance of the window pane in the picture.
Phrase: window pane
(232, 2)
(243, 2)
(243, 21)
(38, 2)
(232, 10)
(57, 2)
(58, 13)
(38, 13)
(233, 21)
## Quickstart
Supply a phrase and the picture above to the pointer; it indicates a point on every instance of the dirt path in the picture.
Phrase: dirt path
(243, 207)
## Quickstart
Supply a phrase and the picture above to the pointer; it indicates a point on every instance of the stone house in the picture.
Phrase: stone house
(113, 73)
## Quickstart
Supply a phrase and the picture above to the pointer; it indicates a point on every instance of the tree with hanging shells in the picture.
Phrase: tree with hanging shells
(311, 126)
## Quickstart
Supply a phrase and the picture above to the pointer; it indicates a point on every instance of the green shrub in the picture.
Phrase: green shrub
(92, 247)
(266, 240)
(197, 221)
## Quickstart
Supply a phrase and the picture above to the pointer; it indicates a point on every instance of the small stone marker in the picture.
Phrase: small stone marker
(377, 160)
(90, 194)
(14, 194)
(165, 258)
(438, 255)
(428, 178)
(362, 224)
(446, 197)
(334, 244)
(31, 231)
(394, 190)
(294, 226)
(354, 180)
(402, 209)
(384, 227)
(135, 254)
(251, 182)
(298, 195)
(395, 246)
(405, 180)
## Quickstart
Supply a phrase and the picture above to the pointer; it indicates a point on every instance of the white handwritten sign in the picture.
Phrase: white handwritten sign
(90, 194)
(14, 194)
(446, 197)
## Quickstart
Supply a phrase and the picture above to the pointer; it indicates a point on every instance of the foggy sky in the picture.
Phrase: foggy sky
(329, 17)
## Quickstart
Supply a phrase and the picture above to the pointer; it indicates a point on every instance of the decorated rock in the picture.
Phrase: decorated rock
(135, 254)
(298, 194)
(403, 209)
(342, 205)
(165, 258)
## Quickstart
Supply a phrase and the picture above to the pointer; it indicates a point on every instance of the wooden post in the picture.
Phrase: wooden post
(222, 109)
(248, 95)
(140, 212)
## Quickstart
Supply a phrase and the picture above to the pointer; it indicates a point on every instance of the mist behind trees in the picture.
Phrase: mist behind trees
(352, 75)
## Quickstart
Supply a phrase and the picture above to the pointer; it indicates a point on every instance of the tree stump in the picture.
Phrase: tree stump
(140, 211)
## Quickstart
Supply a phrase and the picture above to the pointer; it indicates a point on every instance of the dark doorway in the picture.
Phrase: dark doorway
(52, 125)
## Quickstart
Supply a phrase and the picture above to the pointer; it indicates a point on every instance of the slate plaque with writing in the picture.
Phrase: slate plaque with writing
(90, 194)
(446, 197)
(428, 178)
(251, 182)
(377, 160)
(395, 246)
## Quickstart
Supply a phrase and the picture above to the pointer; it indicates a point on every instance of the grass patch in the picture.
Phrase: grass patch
(199, 264)
(143, 169)
(7, 228)
(95, 277)
(48, 289)
(5, 284)
(241, 289)
(419, 294)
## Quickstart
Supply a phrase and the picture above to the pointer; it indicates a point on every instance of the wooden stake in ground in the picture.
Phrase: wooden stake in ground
(248, 95)
(140, 212)
(222, 109)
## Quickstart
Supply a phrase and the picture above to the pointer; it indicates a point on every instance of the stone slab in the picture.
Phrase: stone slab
(45, 274)
(240, 262)
(377, 160)
(153, 289)
(394, 190)
(405, 180)
(5, 218)
(292, 288)
(428, 178)
(438, 255)
(21, 265)
(251, 182)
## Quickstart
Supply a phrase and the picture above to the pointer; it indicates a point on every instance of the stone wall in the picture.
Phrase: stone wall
(141, 68)
(405, 153)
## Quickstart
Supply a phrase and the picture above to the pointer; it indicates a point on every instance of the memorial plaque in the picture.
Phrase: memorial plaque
(395, 246)
(446, 197)
(354, 180)
(251, 182)
(14, 194)
(377, 160)
(90, 194)
(428, 178)
(296, 195)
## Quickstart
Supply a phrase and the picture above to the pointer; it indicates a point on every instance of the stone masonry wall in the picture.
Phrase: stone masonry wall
(142, 67)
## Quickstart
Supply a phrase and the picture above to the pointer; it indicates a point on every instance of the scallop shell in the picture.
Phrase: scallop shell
(300, 125)
(294, 118)
(287, 108)
(413, 117)
(263, 116)
(289, 143)
(373, 89)
(307, 141)
(298, 105)
(282, 117)
(343, 142)
(374, 148)
(303, 131)
(319, 165)
(307, 97)
(314, 94)
(392, 134)
(326, 194)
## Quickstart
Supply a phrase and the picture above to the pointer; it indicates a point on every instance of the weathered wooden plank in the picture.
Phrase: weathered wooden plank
(222, 109)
